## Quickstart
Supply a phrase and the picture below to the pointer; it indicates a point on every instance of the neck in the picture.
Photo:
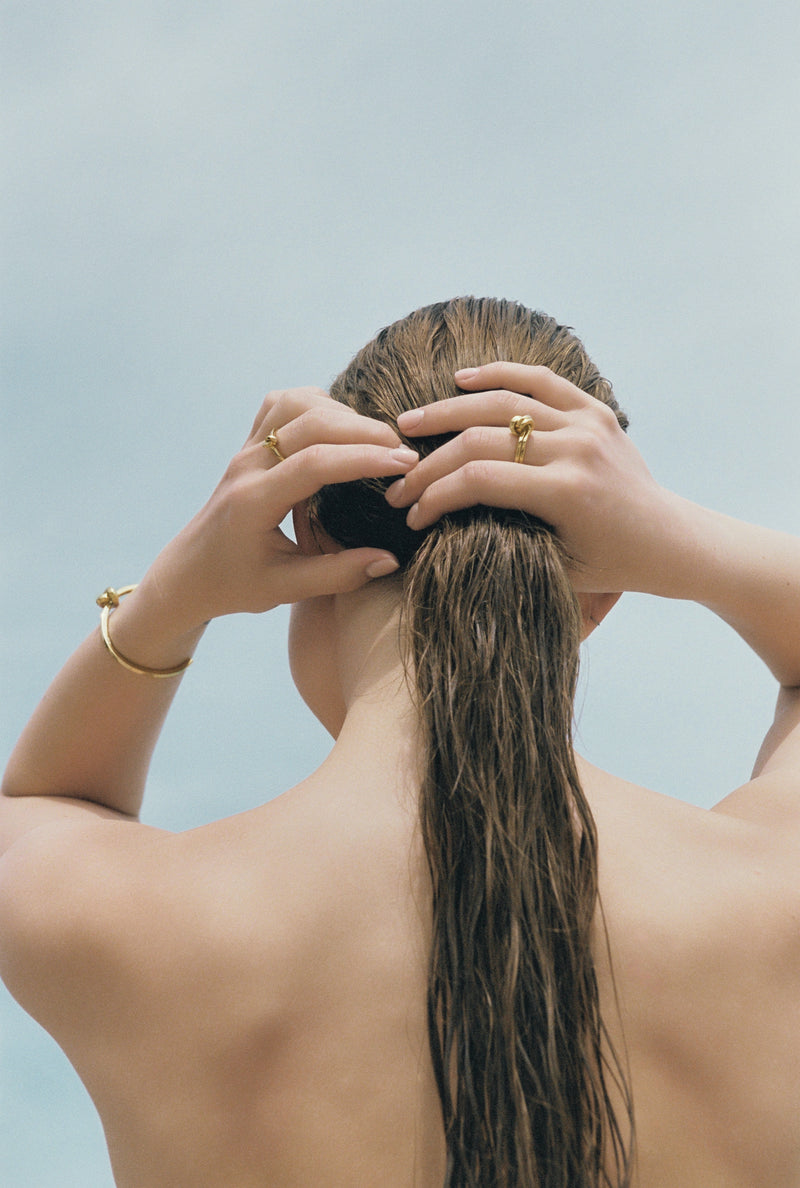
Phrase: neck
(380, 737)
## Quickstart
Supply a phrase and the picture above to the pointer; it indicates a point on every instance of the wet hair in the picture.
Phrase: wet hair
(490, 631)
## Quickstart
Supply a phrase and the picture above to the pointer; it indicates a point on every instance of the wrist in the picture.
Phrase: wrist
(688, 551)
(149, 632)
(708, 554)
(748, 575)
(109, 600)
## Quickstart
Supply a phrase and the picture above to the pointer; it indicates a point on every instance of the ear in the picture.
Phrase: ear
(311, 537)
(594, 608)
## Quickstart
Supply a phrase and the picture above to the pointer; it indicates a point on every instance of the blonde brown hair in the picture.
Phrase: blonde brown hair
(491, 630)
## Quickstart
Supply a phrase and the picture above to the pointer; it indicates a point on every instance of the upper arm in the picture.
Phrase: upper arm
(20, 815)
(772, 796)
(64, 892)
(780, 750)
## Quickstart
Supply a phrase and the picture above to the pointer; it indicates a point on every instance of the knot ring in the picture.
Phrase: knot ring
(522, 428)
(271, 442)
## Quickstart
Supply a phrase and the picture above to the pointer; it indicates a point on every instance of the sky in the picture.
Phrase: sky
(204, 201)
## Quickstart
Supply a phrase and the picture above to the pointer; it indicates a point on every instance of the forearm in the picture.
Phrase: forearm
(93, 734)
(747, 575)
(619, 528)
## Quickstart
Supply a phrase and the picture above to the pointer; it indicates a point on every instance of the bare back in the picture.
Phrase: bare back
(256, 1011)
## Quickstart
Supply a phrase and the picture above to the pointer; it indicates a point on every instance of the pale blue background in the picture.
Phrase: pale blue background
(204, 200)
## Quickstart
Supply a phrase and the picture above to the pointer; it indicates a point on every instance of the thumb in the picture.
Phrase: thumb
(338, 573)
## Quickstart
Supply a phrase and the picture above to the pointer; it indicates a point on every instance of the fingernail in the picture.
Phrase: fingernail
(405, 455)
(413, 515)
(381, 568)
(409, 419)
(395, 493)
(467, 373)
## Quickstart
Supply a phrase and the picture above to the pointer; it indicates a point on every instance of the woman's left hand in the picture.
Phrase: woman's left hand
(233, 555)
(581, 474)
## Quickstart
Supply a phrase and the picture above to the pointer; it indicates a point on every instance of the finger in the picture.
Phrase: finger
(493, 484)
(302, 474)
(283, 404)
(331, 423)
(540, 382)
(476, 442)
(479, 408)
(334, 573)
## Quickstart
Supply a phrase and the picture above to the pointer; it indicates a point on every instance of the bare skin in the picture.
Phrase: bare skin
(246, 1001)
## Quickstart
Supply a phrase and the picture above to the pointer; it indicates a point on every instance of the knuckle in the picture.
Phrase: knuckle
(605, 416)
(266, 404)
(314, 456)
(276, 413)
(305, 406)
(539, 375)
(238, 466)
(477, 473)
(272, 402)
(584, 443)
(293, 403)
(576, 484)
(474, 438)
(508, 403)
(307, 418)
(239, 489)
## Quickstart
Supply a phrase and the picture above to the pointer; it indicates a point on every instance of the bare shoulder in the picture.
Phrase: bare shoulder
(90, 911)
(700, 912)
(704, 878)
(56, 889)
(772, 797)
(101, 911)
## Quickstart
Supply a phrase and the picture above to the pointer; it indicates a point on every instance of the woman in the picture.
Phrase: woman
(456, 953)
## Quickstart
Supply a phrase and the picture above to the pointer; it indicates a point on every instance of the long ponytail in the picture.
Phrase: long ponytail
(491, 632)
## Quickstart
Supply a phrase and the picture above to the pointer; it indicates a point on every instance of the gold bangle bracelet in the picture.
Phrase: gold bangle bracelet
(108, 600)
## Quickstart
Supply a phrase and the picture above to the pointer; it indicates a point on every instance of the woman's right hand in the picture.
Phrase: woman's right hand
(581, 473)
(233, 556)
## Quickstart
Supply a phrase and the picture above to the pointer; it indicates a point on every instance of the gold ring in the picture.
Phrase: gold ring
(271, 442)
(522, 428)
